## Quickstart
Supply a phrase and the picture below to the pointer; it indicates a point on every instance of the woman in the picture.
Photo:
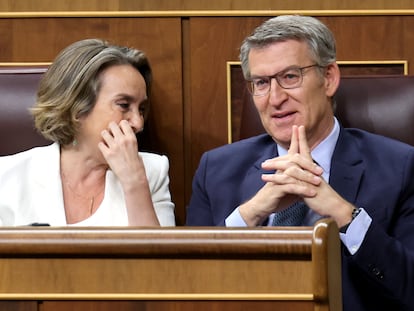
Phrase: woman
(91, 103)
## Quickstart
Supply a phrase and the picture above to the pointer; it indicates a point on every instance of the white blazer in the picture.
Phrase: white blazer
(31, 191)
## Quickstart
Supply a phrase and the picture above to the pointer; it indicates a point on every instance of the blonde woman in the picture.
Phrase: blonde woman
(91, 103)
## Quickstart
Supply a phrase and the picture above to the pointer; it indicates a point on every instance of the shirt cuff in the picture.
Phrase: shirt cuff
(355, 234)
(235, 219)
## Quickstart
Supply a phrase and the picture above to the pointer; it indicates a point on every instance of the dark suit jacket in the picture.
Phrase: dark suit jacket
(370, 171)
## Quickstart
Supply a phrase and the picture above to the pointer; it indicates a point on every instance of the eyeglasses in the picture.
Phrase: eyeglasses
(289, 78)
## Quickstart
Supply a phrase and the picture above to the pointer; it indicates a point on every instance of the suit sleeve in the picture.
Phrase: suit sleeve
(385, 259)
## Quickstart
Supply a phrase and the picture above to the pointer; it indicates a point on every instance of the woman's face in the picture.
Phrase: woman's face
(122, 96)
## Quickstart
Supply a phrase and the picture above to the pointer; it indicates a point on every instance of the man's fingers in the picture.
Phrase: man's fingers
(294, 143)
(304, 149)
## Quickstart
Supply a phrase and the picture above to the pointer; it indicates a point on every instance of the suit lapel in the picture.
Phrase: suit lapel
(347, 168)
(252, 181)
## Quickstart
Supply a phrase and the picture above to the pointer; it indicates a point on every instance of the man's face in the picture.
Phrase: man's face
(308, 105)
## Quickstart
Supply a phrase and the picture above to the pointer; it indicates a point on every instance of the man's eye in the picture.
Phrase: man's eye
(260, 83)
(290, 75)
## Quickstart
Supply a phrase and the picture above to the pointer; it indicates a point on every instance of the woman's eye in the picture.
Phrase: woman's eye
(142, 109)
(124, 106)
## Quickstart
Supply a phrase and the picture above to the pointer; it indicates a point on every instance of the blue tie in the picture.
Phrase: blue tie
(291, 216)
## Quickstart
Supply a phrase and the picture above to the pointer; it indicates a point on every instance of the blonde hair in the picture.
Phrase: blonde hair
(69, 88)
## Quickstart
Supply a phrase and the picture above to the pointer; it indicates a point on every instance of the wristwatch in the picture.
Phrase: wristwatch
(355, 213)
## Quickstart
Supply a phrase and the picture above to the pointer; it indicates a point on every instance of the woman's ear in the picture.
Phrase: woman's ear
(332, 77)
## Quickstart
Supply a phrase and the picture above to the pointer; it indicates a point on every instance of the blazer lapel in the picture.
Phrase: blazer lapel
(252, 181)
(347, 168)
(47, 186)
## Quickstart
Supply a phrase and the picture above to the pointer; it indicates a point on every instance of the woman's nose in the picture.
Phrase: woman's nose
(136, 121)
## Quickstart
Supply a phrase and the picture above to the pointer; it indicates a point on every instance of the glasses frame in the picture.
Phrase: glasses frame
(276, 76)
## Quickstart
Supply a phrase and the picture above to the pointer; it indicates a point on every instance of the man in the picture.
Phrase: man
(308, 166)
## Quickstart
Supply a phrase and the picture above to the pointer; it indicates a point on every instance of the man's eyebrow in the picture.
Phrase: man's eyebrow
(280, 71)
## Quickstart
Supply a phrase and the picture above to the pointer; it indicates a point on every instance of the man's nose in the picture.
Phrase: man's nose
(277, 94)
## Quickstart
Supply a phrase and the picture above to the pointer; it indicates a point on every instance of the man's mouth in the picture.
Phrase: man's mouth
(283, 115)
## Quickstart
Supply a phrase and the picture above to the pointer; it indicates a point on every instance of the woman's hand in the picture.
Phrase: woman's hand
(120, 150)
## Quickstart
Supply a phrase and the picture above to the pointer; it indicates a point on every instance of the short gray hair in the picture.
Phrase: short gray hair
(317, 35)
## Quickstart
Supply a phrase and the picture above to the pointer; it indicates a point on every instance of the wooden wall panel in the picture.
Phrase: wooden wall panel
(154, 5)
(371, 37)
(214, 41)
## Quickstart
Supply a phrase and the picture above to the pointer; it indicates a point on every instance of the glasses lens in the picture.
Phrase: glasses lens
(260, 86)
(290, 78)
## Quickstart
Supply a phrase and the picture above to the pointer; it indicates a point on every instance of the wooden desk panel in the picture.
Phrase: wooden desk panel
(150, 269)
(19, 306)
(137, 278)
(173, 306)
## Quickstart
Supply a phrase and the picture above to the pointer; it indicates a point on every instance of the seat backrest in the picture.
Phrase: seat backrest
(379, 104)
(18, 88)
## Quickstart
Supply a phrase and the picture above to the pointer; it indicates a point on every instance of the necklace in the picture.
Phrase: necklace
(90, 199)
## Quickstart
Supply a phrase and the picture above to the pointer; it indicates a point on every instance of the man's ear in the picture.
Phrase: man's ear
(332, 77)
